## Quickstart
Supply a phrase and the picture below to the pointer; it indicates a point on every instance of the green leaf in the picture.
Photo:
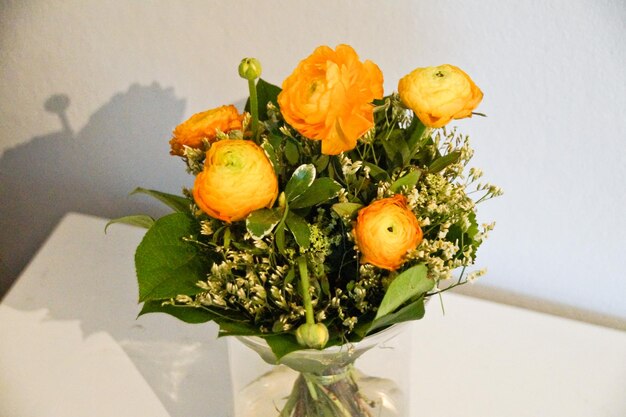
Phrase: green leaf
(347, 209)
(320, 191)
(464, 237)
(261, 222)
(236, 328)
(185, 313)
(291, 274)
(377, 172)
(275, 140)
(410, 283)
(321, 162)
(440, 163)
(266, 92)
(175, 202)
(300, 230)
(396, 148)
(291, 152)
(140, 220)
(166, 264)
(409, 180)
(270, 151)
(279, 237)
(300, 181)
(196, 315)
(282, 344)
(413, 311)
(419, 135)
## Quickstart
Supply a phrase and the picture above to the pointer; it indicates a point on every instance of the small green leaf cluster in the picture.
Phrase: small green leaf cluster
(244, 275)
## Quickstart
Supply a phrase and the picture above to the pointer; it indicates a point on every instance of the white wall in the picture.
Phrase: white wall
(552, 73)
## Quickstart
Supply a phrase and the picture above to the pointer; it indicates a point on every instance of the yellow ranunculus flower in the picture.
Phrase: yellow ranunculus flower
(329, 96)
(237, 179)
(439, 94)
(385, 231)
(203, 125)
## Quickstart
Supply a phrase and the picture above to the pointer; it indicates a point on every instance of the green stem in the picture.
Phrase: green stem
(254, 108)
(306, 296)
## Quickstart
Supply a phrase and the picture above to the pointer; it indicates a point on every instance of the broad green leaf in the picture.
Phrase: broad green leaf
(300, 181)
(396, 147)
(320, 191)
(321, 162)
(300, 229)
(185, 313)
(419, 134)
(291, 152)
(279, 237)
(410, 283)
(266, 92)
(413, 311)
(270, 151)
(236, 328)
(472, 231)
(409, 180)
(282, 344)
(464, 237)
(377, 172)
(175, 202)
(275, 140)
(440, 163)
(166, 264)
(347, 209)
(140, 220)
(261, 222)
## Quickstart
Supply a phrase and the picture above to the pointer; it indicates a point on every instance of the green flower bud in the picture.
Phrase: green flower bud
(282, 200)
(250, 68)
(312, 335)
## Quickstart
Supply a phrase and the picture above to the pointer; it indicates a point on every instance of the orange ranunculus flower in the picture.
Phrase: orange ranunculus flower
(328, 97)
(385, 231)
(203, 125)
(439, 94)
(237, 179)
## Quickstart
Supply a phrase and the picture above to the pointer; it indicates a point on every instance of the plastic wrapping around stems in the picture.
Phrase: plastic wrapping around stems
(326, 383)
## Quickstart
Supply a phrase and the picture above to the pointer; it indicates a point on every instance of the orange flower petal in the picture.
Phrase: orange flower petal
(439, 94)
(204, 125)
(385, 231)
(237, 179)
(328, 97)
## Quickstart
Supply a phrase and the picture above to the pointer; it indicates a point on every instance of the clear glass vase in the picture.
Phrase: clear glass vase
(322, 383)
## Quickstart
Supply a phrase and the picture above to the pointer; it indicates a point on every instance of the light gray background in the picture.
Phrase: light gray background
(91, 90)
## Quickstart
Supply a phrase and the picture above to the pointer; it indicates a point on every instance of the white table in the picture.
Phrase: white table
(70, 346)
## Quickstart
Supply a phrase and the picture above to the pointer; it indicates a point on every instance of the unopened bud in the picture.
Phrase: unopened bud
(282, 200)
(250, 68)
(312, 335)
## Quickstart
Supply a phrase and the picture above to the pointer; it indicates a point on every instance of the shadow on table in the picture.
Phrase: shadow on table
(123, 145)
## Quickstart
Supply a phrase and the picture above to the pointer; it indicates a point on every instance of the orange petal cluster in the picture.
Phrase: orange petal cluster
(204, 125)
(385, 231)
(237, 179)
(328, 97)
(439, 94)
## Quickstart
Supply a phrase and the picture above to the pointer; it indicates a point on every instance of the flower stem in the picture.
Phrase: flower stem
(306, 296)
(254, 108)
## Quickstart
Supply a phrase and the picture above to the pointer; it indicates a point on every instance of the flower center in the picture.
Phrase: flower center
(232, 160)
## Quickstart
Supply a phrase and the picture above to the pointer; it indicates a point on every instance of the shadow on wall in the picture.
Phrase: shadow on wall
(122, 146)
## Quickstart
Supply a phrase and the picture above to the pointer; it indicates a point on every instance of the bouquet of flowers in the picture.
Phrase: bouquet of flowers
(323, 213)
